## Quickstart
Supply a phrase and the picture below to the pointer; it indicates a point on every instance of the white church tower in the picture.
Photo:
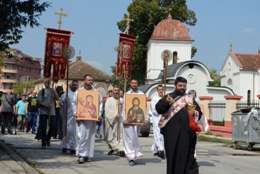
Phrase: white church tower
(172, 35)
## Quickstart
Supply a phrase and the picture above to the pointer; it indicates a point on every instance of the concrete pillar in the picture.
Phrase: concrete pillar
(231, 105)
(204, 104)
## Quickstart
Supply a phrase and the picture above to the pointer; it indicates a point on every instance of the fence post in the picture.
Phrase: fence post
(231, 106)
(204, 104)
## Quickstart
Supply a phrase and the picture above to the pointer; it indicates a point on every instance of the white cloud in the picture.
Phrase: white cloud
(248, 30)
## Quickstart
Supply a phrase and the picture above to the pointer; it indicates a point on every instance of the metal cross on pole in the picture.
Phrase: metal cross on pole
(128, 20)
(60, 14)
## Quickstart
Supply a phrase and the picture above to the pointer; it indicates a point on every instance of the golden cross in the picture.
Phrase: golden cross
(128, 20)
(60, 14)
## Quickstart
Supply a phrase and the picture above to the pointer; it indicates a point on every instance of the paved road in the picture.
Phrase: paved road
(212, 157)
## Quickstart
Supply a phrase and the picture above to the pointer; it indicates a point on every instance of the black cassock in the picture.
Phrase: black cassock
(179, 140)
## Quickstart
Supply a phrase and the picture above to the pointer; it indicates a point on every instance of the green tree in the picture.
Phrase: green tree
(146, 15)
(22, 87)
(15, 14)
(215, 76)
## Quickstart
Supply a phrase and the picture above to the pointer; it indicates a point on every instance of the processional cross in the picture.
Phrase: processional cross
(128, 20)
(60, 14)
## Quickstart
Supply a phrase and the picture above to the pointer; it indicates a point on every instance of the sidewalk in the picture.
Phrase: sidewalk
(11, 162)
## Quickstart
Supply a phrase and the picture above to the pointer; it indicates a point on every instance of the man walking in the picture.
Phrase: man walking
(131, 132)
(46, 101)
(158, 145)
(179, 139)
(87, 129)
(70, 139)
(7, 109)
(114, 123)
(32, 111)
(21, 113)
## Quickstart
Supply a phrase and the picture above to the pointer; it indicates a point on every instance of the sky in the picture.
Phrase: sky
(94, 23)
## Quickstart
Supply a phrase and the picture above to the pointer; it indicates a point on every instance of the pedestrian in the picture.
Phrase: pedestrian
(158, 144)
(46, 101)
(87, 128)
(113, 123)
(200, 118)
(179, 139)
(58, 129)
(70, 139)
(7, 112)
(131, 132)
(20, 110)
(32, 110)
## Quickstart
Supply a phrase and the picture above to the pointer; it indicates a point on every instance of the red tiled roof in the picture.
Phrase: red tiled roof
(247, 62)
(171, 29)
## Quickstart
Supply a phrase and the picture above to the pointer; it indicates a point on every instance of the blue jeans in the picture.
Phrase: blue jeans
(32, 121)
(44, 120)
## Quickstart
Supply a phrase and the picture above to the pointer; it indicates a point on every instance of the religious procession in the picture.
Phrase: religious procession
(152, 108)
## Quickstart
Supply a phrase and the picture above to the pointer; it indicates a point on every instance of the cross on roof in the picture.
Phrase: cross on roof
(60, 14)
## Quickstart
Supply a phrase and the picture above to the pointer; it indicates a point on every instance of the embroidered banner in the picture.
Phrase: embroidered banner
(125, 55)
(56, 41)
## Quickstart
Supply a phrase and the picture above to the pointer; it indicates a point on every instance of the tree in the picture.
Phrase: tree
(146, 15)
(16, 14)
(22, 87)
(216, 77)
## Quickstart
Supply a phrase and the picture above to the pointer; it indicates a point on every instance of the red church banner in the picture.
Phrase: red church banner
(125, 55)
(56, 41)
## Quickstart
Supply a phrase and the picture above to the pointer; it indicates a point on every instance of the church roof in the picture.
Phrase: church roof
(171, 29)
(247, 62)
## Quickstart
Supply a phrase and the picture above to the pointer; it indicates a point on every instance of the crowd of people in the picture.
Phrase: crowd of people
(176, 120)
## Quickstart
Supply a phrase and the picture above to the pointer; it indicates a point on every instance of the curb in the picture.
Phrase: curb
(18, 158)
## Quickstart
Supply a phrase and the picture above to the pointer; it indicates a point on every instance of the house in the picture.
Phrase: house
(241, 72)
(18, 67)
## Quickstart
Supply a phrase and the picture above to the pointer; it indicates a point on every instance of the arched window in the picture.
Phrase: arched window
(174, 57)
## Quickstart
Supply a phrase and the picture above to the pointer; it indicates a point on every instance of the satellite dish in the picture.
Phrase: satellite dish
(166, 55)
(69, 52)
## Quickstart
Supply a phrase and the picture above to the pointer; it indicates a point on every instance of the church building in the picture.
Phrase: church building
(172, 36)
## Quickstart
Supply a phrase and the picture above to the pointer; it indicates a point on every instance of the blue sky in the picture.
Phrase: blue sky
(220, 22)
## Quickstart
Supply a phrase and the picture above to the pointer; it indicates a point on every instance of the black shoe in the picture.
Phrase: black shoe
(121, 153)
(64, 150)
(48, 144)
(110, 152)
(155, 154)
(161, 154)
(131, 163)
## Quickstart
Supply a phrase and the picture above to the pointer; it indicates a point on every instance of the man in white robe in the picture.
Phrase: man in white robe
(70, 141)
(158, 145)
(114, 123)
(131, 132)
(87, 129)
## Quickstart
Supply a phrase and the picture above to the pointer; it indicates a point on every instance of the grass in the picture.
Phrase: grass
(216, 139)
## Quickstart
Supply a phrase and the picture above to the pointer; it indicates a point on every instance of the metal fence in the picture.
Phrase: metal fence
(247, 104)
(217, 112)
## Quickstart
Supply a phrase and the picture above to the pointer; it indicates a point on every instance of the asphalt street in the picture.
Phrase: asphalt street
(213, 158)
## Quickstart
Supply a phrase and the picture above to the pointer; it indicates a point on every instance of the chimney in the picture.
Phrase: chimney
(78, 58)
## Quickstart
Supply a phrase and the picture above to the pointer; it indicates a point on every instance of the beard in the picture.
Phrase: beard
(180, 91)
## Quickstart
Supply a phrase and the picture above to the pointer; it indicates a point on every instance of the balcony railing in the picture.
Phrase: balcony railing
(3, 80)
(9, 70)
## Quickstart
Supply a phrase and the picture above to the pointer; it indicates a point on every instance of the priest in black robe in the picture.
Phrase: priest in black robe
(179, 139)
